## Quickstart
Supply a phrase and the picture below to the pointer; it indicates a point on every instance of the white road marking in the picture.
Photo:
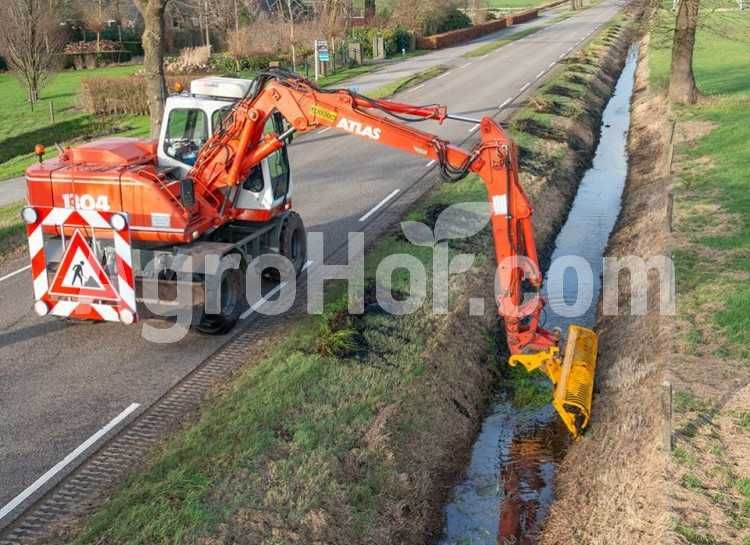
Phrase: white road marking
(562, 56)
(550, 65)
(525, 86)
(442, 75)
(14, 273)
(325, 130)
(428, 165)
(263, 300)
(475, 127)
(418, 86)
(83, 447)
(467, 64)
(267, 297)
(540, 74)
(484, 56)
(380, 205)
(504, 104)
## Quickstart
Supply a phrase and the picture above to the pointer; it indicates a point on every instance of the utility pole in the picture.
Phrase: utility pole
(236, 18)
(291, 34)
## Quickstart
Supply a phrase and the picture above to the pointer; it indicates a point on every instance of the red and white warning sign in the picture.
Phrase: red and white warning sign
(81, 288)
(80, 274)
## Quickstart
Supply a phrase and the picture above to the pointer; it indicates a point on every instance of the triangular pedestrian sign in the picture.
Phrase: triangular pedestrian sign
(80, 274)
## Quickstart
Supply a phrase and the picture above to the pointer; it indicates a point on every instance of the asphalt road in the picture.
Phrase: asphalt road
(62, 382)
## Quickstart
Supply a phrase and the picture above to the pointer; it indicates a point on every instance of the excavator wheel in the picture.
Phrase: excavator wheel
(293, 241)
(232, 296)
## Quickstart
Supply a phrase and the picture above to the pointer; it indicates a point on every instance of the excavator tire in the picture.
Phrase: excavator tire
(293, 241)
(232, 296)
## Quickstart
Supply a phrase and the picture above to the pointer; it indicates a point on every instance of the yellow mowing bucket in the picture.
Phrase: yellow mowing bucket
(574, 388)
(572, 377)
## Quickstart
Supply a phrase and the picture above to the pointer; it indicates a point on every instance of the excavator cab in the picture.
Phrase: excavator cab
(192, 117)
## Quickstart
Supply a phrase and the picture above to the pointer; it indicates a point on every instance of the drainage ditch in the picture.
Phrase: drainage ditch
(508, 487)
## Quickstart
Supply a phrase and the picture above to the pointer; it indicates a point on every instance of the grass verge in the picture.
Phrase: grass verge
(22, 129)
(293, 449)
(12, 232)
(712, 261)
(403, 84)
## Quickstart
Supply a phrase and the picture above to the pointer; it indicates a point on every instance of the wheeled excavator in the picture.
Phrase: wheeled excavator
(121, 212)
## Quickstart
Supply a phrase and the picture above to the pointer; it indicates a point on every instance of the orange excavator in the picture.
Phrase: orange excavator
(107, 217)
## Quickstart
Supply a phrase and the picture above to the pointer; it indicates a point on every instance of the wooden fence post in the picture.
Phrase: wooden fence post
(666, 406)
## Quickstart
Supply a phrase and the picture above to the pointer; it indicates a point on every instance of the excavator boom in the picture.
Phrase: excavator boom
(230, 154)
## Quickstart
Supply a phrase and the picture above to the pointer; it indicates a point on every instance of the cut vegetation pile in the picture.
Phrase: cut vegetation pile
(351, 429)
(622, 483)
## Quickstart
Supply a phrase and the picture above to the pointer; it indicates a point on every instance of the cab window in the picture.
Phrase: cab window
(187, 131)
(218, 116)
(278, 162)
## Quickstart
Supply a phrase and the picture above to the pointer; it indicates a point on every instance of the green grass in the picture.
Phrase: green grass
(684, 457)
(685, 401)
(717, 251)
(277, 441)
(12, 233)
(403, 84)
(689, 480)
(743, 420)
(693, 536)
(716, 74)
(22, 129)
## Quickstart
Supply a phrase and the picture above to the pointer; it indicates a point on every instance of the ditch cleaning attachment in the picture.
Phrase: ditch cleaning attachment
(572, 375)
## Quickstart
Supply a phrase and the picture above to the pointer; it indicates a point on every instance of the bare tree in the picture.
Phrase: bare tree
(682, 87)
(30, 42)
(95, 19)
(153, 60)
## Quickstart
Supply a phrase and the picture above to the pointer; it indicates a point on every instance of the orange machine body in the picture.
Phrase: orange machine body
(121, 174)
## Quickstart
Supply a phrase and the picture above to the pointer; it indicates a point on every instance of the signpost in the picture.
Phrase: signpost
(321, 55)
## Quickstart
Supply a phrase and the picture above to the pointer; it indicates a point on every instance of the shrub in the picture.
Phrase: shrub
(394, 39)
(121, 95)
(190, 61)
(225, 63)
(453, 20)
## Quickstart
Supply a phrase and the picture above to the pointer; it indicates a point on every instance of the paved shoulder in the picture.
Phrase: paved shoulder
(12, 191)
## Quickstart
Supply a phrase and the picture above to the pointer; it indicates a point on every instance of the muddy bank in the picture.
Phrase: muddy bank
(448, 403)
(611, 483)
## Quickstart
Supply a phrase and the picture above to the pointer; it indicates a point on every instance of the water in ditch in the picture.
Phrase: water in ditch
(509, 485)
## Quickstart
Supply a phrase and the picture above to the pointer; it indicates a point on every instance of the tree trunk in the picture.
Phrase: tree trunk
(153, 59)
(682, 86)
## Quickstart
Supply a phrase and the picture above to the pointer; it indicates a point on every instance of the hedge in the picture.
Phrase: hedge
(121, 95)
(446, 39)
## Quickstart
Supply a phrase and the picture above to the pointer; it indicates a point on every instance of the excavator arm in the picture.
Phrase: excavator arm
(228, 157)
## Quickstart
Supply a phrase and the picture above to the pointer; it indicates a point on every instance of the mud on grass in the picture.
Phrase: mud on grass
(351, 429)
